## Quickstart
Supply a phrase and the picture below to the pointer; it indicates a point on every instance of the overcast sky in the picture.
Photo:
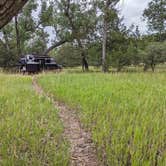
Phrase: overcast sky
(132, 11)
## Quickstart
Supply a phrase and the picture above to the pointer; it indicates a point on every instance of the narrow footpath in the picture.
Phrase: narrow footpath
(83, 151)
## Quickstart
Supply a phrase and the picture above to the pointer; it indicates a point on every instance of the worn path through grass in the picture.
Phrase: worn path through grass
(83, 152)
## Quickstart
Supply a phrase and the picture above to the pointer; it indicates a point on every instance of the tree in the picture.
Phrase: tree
(39, 43)
(67, 55)
(8, 9)
(8, 49)
(72, 21)
(27, 26)
(156, 16)
(122, 52)
(108, 14)
(17, 35)
(154, 54)
(76, 33)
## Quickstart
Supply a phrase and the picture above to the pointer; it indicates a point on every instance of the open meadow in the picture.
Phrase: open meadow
(126, 113)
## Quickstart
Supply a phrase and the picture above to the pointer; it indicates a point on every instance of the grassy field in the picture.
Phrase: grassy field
(126, 113)
(30, 131)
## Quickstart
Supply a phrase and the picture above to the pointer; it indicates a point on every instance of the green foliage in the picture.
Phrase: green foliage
(94, 52)
(125, 112)
(154, 53)
(27, 25)
(155, 15)
(120, 59)
(46, 14)
(123, 49)
(107, 21)
(8, 47)
(6, 59)
(32, 39)
(31, 133)
(39, 43)
(68, 56)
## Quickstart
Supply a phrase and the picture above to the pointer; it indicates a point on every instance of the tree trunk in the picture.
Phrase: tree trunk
(17, 37)
(104, 47)
(85, 66)
(152, 64)
(153, 67)
(145, 67)
(105, 29)
(6, 41)
(75, 32)
(8, 9)
(119, 68)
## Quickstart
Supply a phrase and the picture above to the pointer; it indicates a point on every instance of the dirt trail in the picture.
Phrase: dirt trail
(82, 150)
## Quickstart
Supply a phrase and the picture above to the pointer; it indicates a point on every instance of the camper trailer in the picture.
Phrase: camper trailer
(36, 64)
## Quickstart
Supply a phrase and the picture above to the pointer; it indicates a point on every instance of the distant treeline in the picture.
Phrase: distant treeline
(85, 33)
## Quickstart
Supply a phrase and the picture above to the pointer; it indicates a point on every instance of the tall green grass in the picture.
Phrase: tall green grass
(30, 131)
(126, 113)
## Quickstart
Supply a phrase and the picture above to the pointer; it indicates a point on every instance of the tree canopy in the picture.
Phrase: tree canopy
(156, 16)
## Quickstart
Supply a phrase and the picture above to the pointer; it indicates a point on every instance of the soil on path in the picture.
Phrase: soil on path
(82, 149)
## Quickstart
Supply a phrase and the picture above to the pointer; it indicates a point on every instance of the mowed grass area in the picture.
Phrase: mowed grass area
(126, 113)
(30, 130)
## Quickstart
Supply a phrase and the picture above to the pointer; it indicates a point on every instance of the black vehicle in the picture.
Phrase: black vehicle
(35, 63)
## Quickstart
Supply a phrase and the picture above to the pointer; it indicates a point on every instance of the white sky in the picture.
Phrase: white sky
(132, 11)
